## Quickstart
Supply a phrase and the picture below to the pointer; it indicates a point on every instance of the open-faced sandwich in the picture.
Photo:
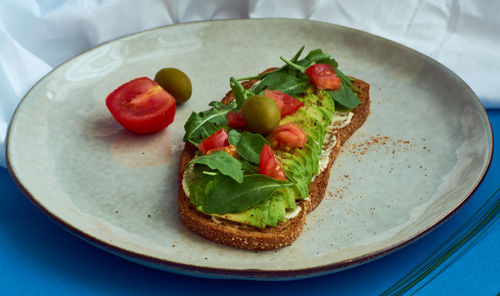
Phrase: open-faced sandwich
(256, 163)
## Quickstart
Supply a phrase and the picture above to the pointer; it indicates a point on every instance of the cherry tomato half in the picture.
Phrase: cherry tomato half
(215, 140)
(269, 165)
(287, 137)
(323, 76)
(142, 106)
(235, 120)
(286, 103)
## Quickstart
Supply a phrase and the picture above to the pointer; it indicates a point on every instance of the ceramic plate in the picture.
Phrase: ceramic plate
(423, 150)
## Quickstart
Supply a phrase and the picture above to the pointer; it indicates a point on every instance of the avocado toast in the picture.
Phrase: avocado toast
(226, 196)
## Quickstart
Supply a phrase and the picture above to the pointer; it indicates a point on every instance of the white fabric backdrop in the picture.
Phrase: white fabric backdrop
(37, 36)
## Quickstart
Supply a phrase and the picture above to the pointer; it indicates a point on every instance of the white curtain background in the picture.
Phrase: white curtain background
(37, 36)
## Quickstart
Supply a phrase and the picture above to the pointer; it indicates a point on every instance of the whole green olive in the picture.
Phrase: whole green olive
(261, 114)
(175, 82)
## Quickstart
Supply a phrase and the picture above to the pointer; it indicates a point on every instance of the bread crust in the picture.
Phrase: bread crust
(251, 238)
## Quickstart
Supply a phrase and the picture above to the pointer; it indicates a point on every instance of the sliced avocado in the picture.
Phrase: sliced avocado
(290, 196)
(313, 128)
(326, 101)
(306, 158)
(257, 216)
(276, 209)
(295, 170)
(300, 164)
(316, 110)
(270, 212)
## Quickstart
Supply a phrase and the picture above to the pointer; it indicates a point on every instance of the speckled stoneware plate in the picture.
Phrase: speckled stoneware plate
(423, 150)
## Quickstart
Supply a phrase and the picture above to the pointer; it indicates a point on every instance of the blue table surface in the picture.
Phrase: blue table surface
(37, 257)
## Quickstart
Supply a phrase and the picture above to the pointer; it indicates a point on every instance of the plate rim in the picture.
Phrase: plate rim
(249, 274)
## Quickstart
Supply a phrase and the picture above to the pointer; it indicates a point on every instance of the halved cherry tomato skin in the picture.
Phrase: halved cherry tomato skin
(142, 106)
(323, 76)
(235, 120)
(215, 140)
(286, 103)
(269, 165)
(287, 137)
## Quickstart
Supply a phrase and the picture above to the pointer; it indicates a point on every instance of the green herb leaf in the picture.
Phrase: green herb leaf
(247, 167)
(297, 55)
(234, 137)
(240, 93)
(345, 96)
(250, 145)
(346, 80)
(230, 196)
(293, 65)
(282, 81)
(261, 76)
(317, 57)
(200, 186)
(223, 162)
(201, 125)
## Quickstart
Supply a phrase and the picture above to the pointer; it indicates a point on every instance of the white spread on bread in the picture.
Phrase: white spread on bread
(339, 120)
(293, 213)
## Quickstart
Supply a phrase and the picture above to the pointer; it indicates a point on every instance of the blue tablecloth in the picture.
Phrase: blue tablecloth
(39, 258)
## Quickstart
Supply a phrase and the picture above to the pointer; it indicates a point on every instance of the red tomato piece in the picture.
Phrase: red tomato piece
(235, 120)
(141, 106)
(286, 103)
(287, 137)
(323, 76)
(269, 165)
(229, 149)
(215, 140)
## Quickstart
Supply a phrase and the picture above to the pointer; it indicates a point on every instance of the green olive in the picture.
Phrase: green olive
(261, 114)
(175, 82)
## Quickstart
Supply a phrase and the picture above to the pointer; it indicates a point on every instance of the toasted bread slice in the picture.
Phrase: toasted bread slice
(252, 238)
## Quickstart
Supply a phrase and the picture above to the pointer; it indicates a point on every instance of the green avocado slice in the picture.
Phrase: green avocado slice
(300, 165)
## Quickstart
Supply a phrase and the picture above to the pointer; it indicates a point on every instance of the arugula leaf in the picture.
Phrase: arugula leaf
(295, 66)
(240, 93)
(234, 137)
(247, 167)
(250, 145)
(230, 196)
(317, 57)
(200, 186)
(345, 95)
(282, 81)
(297, 55)
(261, 76)
(346, 80)
(223, 162)
(201, 125)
